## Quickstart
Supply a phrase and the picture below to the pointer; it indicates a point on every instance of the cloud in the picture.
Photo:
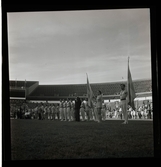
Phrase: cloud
(60, 47)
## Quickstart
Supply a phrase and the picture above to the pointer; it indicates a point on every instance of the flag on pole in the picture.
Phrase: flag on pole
(130, 89)
(90, 94)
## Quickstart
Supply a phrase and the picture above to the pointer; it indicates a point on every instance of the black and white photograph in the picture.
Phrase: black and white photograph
(80, 84)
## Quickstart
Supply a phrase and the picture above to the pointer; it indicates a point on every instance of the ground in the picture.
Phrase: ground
(44, 139)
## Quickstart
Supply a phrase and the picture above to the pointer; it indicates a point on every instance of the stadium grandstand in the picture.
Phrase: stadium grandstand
(32, 91)
(21, 89)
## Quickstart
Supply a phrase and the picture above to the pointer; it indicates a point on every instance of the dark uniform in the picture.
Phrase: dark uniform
(77, 108)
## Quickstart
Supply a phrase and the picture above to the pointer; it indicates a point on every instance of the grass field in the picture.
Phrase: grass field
(35, 139)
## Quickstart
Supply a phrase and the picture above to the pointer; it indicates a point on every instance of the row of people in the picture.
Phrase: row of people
(65, 111)
(132, 114)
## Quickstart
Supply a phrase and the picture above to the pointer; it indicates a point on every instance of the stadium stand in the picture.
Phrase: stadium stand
(22, 88)
(58, 90)
(112, 88)
(44, 92)
(17, 93)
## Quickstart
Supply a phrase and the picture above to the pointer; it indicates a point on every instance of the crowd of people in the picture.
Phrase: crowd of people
(77, 110)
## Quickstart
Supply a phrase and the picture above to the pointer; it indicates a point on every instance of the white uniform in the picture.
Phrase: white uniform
(65, 110)
(88, 111)
(115, 114)
(49, 112)
(95, 113)
(61, 111)
(69, 110)
(36, 112)
(72, 111)
(120, 112)
(57, 111)
(132, 113)
(145, 113)
(45, 112)
(82, 110)
(42, 112)
(52, 114)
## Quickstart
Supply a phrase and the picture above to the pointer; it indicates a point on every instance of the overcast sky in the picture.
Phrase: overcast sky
(60, 47)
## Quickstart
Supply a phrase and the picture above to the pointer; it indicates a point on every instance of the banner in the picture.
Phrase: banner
(130, 89)
(90, 94)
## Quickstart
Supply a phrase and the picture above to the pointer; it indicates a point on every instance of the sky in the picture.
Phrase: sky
(60, 47)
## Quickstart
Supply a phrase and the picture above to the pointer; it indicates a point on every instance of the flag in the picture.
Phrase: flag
(89, 93)
(130, 89)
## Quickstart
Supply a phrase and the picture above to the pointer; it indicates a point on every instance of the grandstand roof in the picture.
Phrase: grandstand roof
(20, 84)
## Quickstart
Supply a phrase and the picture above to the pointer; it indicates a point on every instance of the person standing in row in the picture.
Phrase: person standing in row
(40, 112)
(61, 110)
(123, 95)
(82, 110)
(57, 113)
(95, 116)
(77, 108)
(48, 111)
(45, 111)
(52, 112)
(99, 101)
(72, 111)
(65, 110)
(68, 110)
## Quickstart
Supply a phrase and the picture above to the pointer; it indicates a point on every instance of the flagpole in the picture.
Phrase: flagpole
(90, 94)
(87, 75)
(128, 60)
(25, 89)
(128, 80)
(128, 72)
